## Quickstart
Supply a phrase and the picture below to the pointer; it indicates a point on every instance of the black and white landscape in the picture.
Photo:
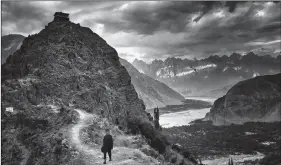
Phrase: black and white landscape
(71, 70)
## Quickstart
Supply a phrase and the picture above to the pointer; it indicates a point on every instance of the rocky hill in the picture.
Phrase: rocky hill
(153, 92)
(256, 99)
(60, 90)
(205, 76)
(9, 44)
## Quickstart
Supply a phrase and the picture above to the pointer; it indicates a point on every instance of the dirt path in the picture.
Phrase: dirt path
(26, 154)
(121, 155)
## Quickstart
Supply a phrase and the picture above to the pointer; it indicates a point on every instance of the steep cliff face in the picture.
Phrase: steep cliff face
(256, 99)
(153, 92)
(62, 70)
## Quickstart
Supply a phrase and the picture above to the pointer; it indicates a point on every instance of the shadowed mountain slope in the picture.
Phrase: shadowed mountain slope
(256, 99)
(152, 92)
(9, 44)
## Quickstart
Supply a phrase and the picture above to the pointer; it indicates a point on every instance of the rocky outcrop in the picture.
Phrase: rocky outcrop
(9, 44)
(256, 99)
(62, 68)
(153, 92)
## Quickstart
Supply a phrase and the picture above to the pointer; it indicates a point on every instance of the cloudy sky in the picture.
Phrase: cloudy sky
(157, 29)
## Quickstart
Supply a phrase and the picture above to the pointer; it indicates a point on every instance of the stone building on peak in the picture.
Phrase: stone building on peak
(60, 16)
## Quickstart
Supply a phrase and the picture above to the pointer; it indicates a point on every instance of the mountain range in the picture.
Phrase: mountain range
(211, 76)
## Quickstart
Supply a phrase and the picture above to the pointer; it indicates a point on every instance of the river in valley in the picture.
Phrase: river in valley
(182, 118)
(186, 116)
(208, 99)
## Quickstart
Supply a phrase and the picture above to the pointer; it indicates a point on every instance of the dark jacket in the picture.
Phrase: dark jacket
(107, 143)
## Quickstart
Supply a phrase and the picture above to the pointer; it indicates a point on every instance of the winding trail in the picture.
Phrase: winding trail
(26, 155)
(121, 155)
(85, 120)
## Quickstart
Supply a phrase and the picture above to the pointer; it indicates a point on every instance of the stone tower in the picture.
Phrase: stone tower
(60, 16)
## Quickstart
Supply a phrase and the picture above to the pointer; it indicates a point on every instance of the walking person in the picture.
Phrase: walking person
(107, 145)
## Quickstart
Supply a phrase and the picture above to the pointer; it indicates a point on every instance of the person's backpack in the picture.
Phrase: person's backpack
(102, 149)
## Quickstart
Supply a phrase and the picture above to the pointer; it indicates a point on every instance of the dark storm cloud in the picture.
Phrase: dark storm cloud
(232, 5)
(270, 27)
(13, 11)
(23, 16)
(208, 5)
(28, 17)
(158, 29)
(232, 36)
(211, 38)
(146, 18)
(173, 16)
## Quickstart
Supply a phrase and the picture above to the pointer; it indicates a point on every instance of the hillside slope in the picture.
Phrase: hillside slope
(153, 92)
(256, 99)
(55, 73)
(9, 44)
